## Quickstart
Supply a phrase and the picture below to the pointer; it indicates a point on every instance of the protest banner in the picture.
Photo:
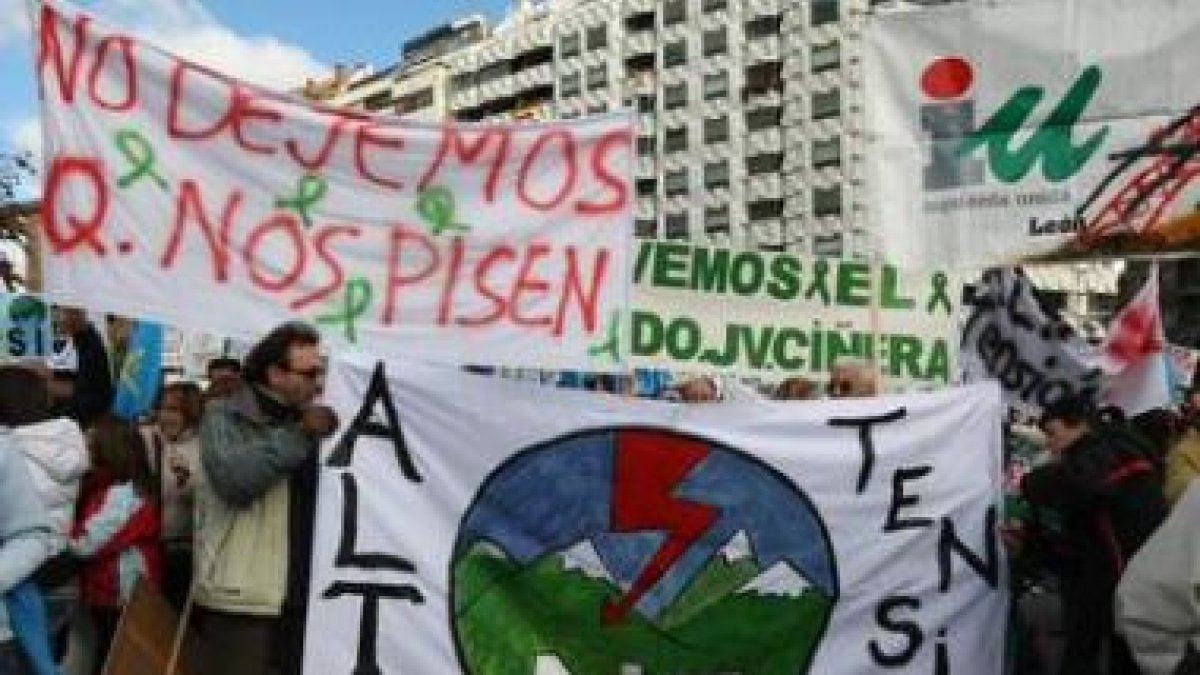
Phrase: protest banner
(477, 525)
(1014, 338)
(755, 313)
(27, 327)
(178, 194)
(1048, 129)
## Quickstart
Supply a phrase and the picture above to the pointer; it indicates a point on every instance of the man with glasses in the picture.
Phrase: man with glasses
(255, 507)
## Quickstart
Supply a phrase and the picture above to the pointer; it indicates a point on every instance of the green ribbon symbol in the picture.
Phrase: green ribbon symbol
(140, 155)
(940, 295)
(309, 192)
(436, 206)
(355, 302)
(611, 344)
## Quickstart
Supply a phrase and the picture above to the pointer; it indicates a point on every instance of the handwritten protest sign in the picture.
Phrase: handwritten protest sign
(26, 327)
(592, 534)
(999, 135)
(1013, 338)
(701, 308)
(179, 194)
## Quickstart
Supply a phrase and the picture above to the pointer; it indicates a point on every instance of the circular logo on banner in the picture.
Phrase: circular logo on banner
(642, 551)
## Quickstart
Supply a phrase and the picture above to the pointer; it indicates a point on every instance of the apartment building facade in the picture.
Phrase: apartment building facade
(749, 112)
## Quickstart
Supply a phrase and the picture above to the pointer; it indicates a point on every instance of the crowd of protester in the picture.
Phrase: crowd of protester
(210, 499)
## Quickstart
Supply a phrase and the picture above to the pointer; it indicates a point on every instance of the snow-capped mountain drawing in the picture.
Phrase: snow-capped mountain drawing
(778, 579)
(583, 557)
(737, 548)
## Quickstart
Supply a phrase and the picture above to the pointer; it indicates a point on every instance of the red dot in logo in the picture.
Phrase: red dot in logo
(946, 78)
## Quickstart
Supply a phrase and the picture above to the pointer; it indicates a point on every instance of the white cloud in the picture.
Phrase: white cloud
(14, 21)
(188, 29)
(27, 136)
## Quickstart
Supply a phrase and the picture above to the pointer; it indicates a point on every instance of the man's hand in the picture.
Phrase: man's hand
(319, 421)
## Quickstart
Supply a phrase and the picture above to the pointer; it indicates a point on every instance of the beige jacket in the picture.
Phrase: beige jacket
(242, 503)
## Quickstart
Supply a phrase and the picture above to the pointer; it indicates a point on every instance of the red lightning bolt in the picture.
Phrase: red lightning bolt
(648, 468)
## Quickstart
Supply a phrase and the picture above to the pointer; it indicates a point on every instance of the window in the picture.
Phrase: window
(675, 140)
(716, 130)
(763, 26)
(716, 175)
(645, 229)
(765, 209)
(569, 85)
(763, 118)
(568, 114)
(646, 145)
(675, 54)
(597, 77)
(415, 101)
(675, 183)
(377, 102)
(674, 11)
(494, 71)
(568, 46)
(714, 5)
(463, 81)
(597, 37)
(714, 42)
(827, 201)
(597, 109)
(762, 78)
(677, 225)
(716, 85)
(765, 163)
(675, 96)
(824, 11)
(827, 153)
(826, 104)
(645, 104)
(716, 219)
(826, 57)
(646, 187)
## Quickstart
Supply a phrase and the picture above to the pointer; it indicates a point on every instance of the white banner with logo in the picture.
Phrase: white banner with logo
(476, 525)
(1034, 130)
(700, 308)
(179, 194)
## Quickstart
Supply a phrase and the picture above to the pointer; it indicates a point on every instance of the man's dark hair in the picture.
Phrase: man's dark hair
(1071, 410)
(223, 363)
(24, 397)
(273, 349)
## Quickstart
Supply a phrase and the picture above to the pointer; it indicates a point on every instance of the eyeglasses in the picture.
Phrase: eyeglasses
(314, 373)
(836, 388)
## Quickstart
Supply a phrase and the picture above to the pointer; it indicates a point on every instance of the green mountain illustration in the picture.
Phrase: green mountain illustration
(731, 618)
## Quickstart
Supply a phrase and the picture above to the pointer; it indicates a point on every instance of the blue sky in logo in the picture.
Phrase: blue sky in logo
(547, 499)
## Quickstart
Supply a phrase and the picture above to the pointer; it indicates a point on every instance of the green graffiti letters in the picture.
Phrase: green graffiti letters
(1051, 142)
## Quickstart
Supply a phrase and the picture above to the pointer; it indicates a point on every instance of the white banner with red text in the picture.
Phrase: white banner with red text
(180, 194)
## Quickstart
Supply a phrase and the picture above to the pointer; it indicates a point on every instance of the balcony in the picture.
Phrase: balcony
(764, 140)
(633, 7)
(756, 8)
(466, 98)
(765, 186)
(501, 87)
(762, 49)
(646, 208)
(533, 38)
(646, 167)
(641, 42)
(647, 124)
(532, 78)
